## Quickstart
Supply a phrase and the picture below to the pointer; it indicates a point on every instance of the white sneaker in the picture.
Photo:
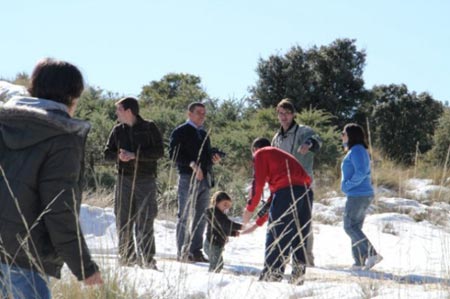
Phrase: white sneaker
(372, 261)
(356, 268)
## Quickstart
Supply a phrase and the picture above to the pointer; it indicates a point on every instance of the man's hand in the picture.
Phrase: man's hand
(246, 217)
(304, 148)
(199, 173)
(216, 158)
(94, 279)
(126, 156)
(197, 170)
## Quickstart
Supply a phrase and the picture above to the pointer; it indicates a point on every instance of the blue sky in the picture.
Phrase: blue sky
(123, 45)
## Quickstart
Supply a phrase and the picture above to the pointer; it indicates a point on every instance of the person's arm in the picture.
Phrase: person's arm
(155, 150)
(94, 279)
(263, 213)
(259, 180)
(310, 140)
(228, 227)
(249, 229)
(177, 152)
(234, 228)
(197, 170)
(60, 201)
(361, 165)
(111, 150)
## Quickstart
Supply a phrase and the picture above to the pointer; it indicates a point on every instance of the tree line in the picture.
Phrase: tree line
(325, 84)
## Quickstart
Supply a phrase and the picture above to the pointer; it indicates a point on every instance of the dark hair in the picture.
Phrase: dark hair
(287, 105)
(218, 197)
(129, 103)
(260, 143)
(56, 80)
(194, 105)
(355, 134)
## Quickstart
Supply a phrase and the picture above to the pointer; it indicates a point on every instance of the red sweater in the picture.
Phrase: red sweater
(277, 168)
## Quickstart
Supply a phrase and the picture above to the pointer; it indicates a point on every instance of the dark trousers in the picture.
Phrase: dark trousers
(136, 209)
(288, 228)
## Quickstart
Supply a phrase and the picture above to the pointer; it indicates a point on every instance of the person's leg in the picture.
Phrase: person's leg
(147, 209)
(214, 254)
(355, 212)
(219, 252)
(310, 240)
(183, 214)
(301, 226)
(200, 202)
(124, 210)
(18, 283)
(278, 237)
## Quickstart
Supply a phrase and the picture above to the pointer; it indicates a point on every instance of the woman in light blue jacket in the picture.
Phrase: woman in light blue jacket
(357, 186)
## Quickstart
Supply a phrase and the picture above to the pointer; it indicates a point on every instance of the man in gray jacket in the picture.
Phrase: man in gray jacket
(302, 142)
(41, 167)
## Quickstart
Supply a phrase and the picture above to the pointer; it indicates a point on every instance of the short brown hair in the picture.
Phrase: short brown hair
(287, 105)
(192, 106)
(56, 80)
(260, 142)
(129, 103)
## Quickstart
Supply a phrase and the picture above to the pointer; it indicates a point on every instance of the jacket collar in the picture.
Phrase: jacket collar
(282, 132)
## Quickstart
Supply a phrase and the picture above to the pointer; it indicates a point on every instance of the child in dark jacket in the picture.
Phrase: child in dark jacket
(219, 227)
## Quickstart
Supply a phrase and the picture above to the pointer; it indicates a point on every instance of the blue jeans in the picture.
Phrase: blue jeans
(22, 283)
(355, 212)
(193, 199)
(214, 253)
(288, 228)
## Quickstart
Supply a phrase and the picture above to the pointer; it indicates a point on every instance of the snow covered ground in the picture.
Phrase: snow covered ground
(415, 265)
(8, 90)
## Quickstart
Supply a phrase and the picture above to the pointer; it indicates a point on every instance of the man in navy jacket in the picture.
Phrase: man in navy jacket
(190, 149)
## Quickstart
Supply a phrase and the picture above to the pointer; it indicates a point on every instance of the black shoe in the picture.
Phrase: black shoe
(150, 265)
(128, 263)
(197, 257)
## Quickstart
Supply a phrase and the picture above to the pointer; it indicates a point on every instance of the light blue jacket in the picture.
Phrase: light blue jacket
(355, 172)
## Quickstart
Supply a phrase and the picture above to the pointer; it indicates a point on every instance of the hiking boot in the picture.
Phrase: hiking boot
(372, 261)
(298, 275)
(128, 263)
(197, 257)
(150, 265)
(271, 276)
(183, 258)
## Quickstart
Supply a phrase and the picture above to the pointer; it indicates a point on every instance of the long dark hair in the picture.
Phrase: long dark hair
(356, 135)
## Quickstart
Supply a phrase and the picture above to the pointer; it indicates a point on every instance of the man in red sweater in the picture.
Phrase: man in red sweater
(290, 209)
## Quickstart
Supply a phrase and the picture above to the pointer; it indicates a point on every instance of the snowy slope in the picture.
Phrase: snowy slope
(415, 265)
